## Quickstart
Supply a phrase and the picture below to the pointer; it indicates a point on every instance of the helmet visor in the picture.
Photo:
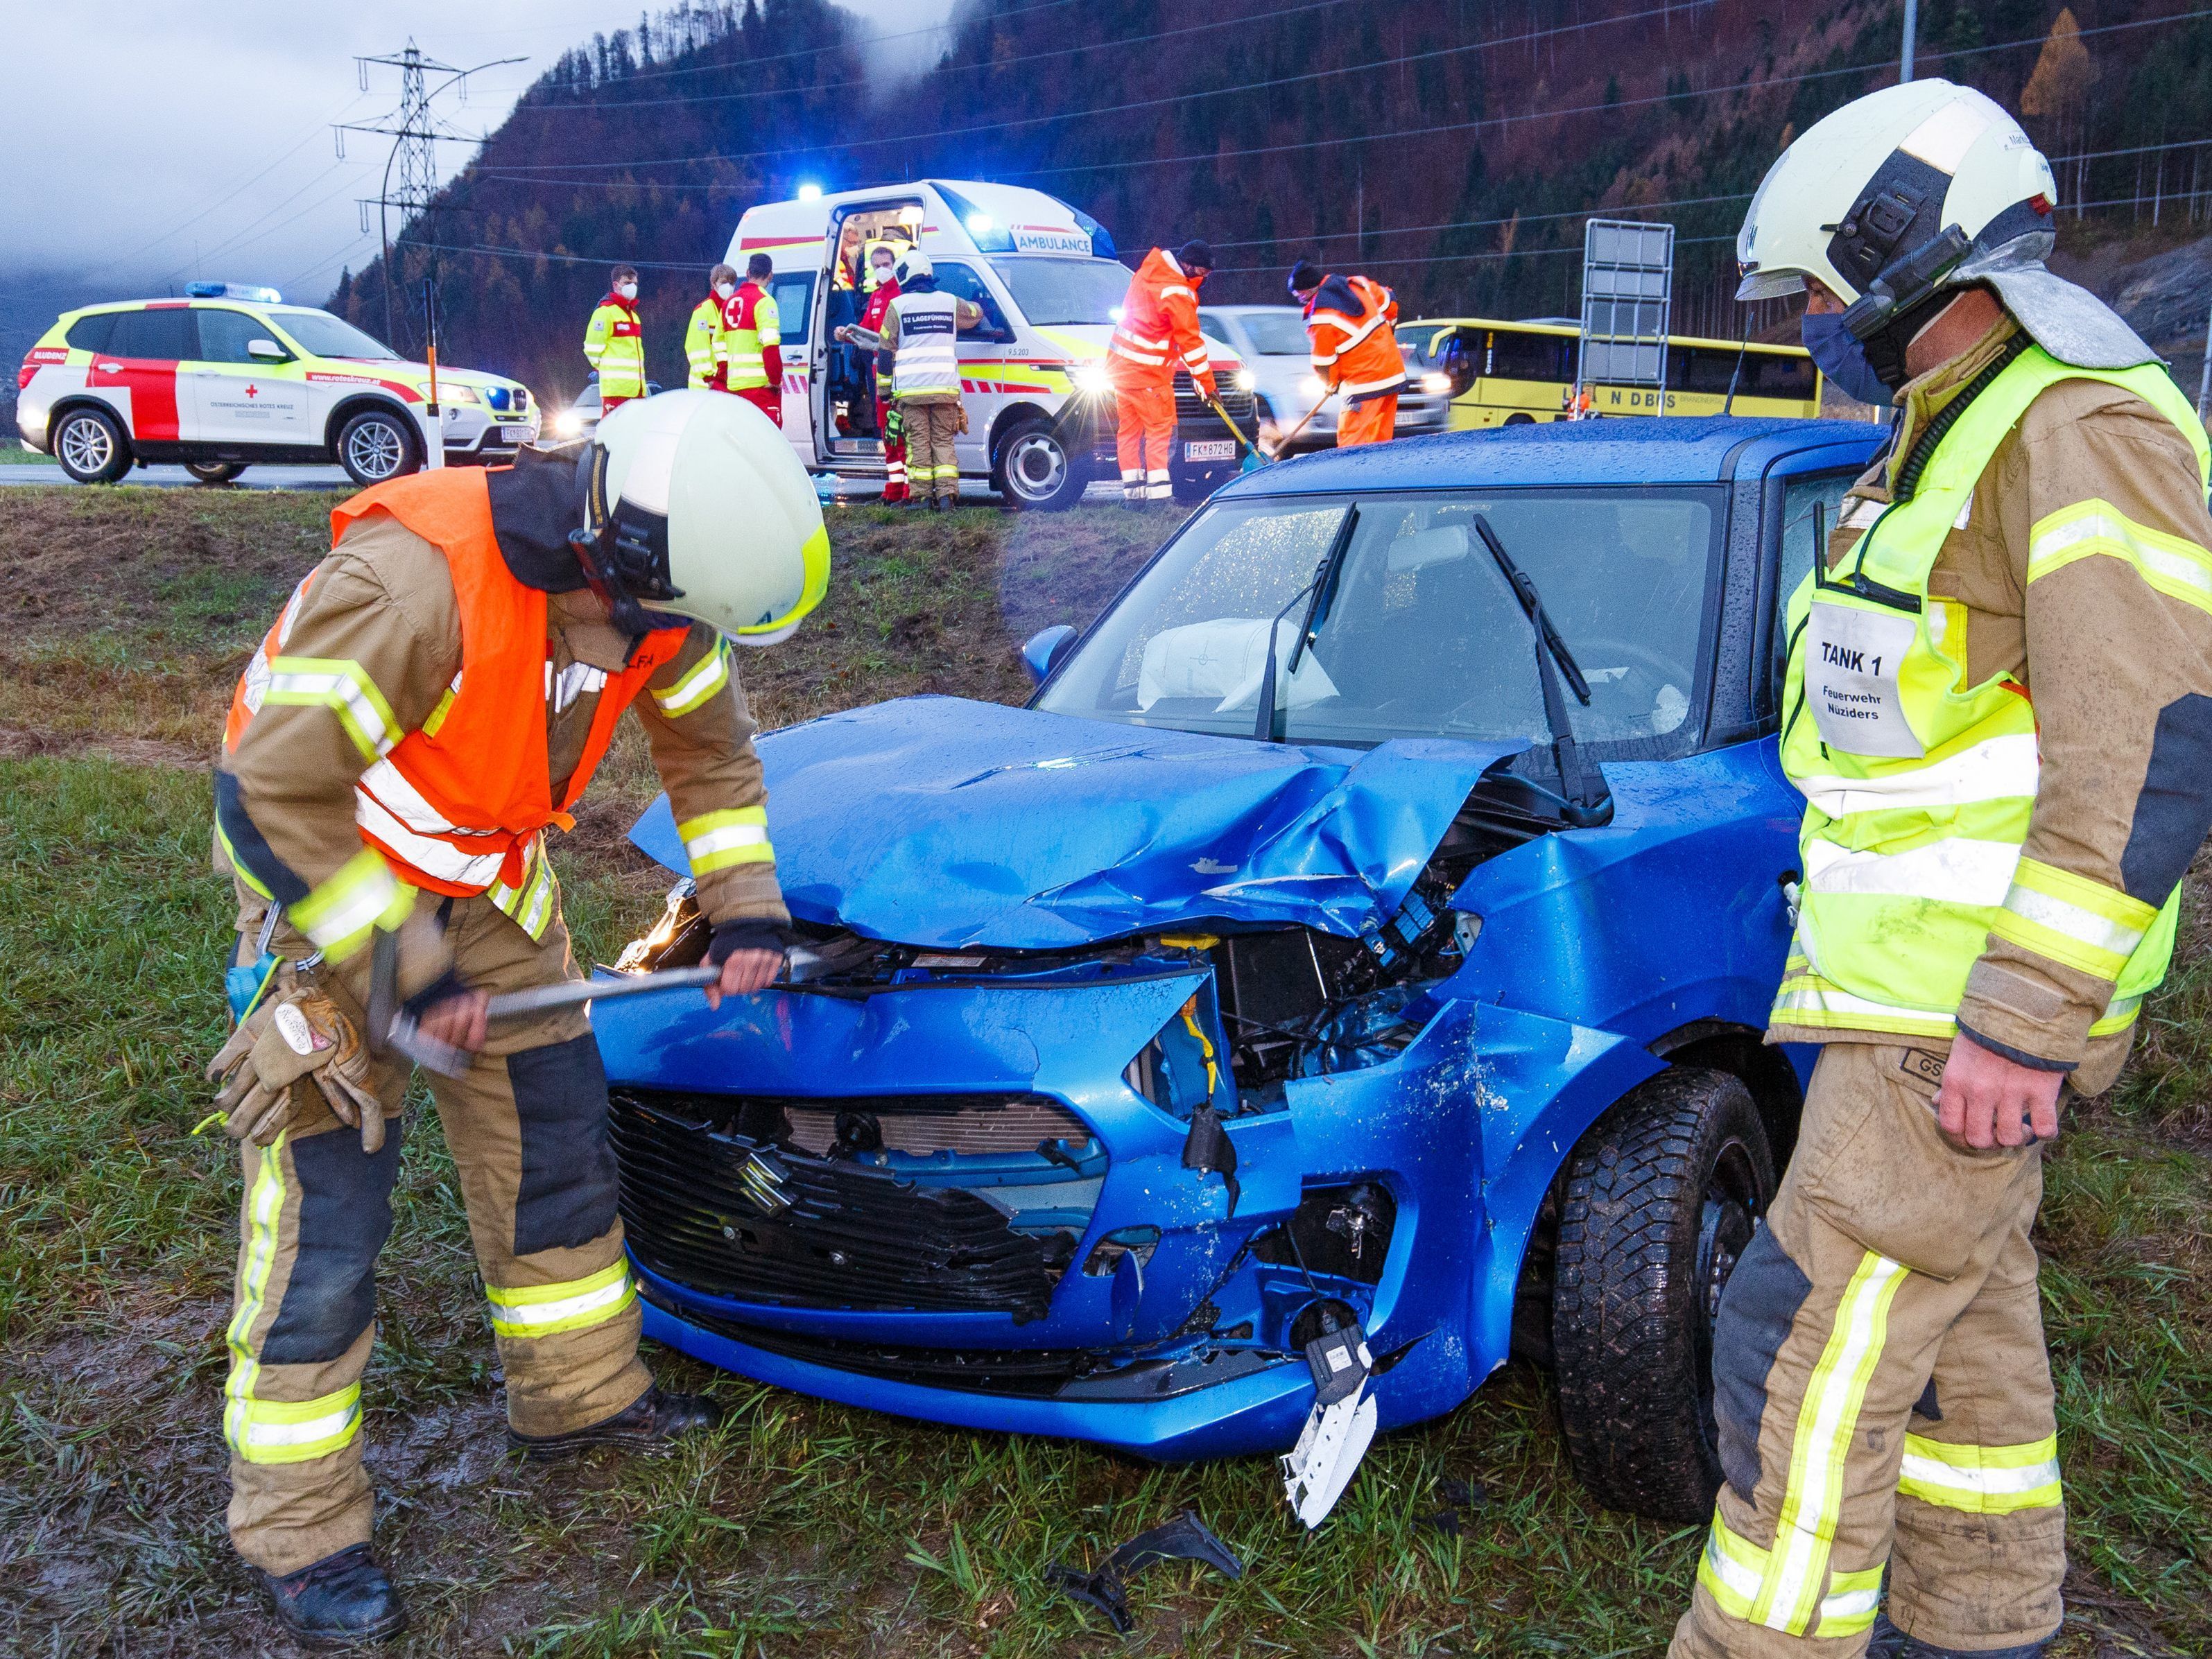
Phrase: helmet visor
(1770, 284)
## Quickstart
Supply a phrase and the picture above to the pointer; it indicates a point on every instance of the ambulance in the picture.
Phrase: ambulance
(1040, 406)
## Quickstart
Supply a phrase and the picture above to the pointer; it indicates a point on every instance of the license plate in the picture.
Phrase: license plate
(1224, 449)
(514, 434)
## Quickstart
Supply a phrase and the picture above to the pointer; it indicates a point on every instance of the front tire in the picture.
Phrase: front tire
(1034, 470)
(90, 446)
(214, 472)
(1660, 1199)
(376, 444)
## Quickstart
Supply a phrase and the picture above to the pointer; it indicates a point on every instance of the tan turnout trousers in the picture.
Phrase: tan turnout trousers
(1882, 1390)
(527, 1128)
(932, 429)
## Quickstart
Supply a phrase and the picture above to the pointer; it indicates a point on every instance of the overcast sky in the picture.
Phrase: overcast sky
(143, 144)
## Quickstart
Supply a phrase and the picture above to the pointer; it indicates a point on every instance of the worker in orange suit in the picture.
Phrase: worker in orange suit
(1157, 334)
(1350, 321)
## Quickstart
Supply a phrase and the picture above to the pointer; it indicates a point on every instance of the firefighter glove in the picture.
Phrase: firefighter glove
(290, 1038)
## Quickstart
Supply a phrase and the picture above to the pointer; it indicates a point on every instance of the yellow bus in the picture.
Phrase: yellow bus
(1508, 373)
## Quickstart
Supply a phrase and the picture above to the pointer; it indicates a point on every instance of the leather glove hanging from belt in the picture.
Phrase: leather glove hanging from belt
(296, 1034)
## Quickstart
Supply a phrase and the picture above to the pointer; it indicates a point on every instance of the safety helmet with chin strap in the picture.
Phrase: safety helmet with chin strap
(1897, 199)
(913, 264)
(696, 505)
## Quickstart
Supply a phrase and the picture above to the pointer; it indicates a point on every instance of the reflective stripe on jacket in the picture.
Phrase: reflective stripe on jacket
(456, 806)
(927, 361)
(614, 344)
(700, 337)
(1920, 789)
(1158, 331)
(1352, 323)
(750, 326)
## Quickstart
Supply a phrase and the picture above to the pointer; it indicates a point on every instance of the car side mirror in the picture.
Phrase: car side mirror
(1043, 651)
(267, 351)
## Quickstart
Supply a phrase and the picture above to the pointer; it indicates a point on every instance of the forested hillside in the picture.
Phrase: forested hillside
(1450, 147)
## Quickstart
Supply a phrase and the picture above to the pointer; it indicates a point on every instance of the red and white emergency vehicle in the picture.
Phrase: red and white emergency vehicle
(231, 376)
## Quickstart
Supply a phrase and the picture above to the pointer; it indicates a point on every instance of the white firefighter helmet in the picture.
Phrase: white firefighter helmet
(913, 263)
(703, 510)
(1886, 175)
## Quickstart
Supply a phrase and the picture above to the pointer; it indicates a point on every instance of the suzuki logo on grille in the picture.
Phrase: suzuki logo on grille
(761, 1179)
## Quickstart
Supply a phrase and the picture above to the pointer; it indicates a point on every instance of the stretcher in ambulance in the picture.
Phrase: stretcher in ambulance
(1044, 275)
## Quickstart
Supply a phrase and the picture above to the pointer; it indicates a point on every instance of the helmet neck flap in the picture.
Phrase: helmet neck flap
(622, 549)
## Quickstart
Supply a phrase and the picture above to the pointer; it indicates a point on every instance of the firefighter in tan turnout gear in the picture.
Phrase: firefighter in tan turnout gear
(432, 700)
(1999, 710)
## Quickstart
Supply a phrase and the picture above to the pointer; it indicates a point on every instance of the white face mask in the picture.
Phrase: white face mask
(882, 273)
(627, 290)
(726, 289)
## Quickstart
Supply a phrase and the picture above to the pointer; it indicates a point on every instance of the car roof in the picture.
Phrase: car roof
(1632, 450)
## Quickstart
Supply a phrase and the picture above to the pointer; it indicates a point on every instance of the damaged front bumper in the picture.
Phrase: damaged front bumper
(995, 1221)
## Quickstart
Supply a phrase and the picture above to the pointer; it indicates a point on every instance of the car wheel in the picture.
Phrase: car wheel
(90, 446)
(376, 444)
(1520, 420)
(1034, 470)
(214, 472)
(1659, 1203)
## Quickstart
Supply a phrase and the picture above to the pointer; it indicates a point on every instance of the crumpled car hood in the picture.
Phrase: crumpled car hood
(939, 821)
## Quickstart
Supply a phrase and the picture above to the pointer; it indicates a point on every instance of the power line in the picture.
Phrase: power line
(519, 173)
(953, 21)
(596, 103)
(1672, 8)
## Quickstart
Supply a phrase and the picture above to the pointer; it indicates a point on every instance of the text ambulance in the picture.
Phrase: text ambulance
(1040, 408)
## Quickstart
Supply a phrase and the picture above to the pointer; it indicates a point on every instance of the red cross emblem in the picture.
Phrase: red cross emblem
(252, 390)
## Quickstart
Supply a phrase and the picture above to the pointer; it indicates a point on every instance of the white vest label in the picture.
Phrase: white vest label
(1852, 660)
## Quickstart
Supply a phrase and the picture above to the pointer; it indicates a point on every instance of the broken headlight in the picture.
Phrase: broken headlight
(678, 940)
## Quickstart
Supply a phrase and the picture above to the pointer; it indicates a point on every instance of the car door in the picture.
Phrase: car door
(794, 294)
(983, 352)
(233, 397)
(137, 373)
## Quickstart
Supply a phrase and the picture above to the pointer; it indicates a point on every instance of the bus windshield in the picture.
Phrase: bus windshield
(1421, 636)
(1052, 293)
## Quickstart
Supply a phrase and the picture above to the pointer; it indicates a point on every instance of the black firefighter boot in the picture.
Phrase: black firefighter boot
(337, 1601)
(1890, 1642)
(650, 1423)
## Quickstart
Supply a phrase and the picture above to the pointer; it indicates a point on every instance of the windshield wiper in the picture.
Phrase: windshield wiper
(1583, 798)
(1263, 722)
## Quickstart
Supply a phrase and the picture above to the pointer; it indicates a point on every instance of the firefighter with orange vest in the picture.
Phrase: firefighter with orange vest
(430, 704)
(751, 345)
(1352, 323)
(614, 341)
(1157, 335)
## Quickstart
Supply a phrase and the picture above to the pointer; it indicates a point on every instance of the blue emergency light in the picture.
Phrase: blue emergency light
(267, 296)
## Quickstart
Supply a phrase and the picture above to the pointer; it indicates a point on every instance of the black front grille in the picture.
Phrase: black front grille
(1189, 406)
(1026, 1373)
(735, 1214)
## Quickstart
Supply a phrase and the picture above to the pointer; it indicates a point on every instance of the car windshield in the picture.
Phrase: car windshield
(1421, 636)
(1052, 293)
(1276, 333)
(321, 335)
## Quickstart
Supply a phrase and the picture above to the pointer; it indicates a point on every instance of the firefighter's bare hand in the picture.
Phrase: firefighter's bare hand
(1987, 1100)
(744, 972)
(461, 1021)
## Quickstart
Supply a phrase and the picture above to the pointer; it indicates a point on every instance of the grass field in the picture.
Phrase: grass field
(17, 455)
(801, 1529)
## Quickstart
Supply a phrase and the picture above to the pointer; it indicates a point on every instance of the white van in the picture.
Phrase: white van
(1040, 407)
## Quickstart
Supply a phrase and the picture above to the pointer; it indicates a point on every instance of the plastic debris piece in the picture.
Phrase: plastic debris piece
(1460, 1498)
(1339, 1430)
(1105, 1588)
(1209, 1149)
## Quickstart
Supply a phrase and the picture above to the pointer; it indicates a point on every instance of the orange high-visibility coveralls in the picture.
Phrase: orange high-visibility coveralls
(1350, 320)
(1157, 334)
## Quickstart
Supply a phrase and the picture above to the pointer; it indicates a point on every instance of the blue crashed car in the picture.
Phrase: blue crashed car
(1369, 927)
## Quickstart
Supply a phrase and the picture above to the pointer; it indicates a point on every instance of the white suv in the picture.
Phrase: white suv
(218, 382)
